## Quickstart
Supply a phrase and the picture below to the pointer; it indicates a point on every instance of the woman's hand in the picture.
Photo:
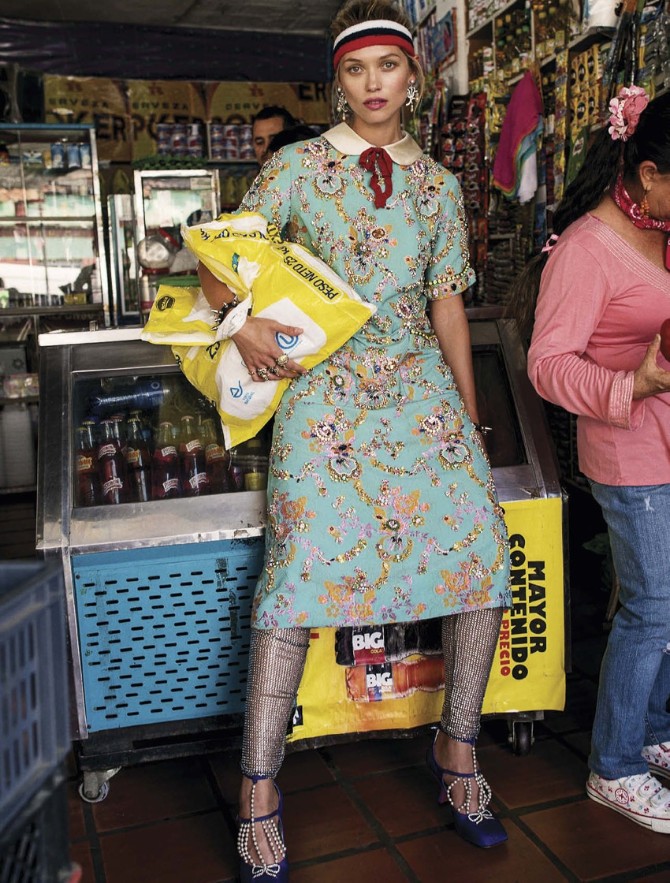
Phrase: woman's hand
(257, 344)
(650, 378)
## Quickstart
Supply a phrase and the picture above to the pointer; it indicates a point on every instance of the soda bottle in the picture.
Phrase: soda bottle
(138, 464)
(217, 459)
(111, 466)
(194, 480)
(119, 424)
(145, 426)
(165, 465)
(89, 492)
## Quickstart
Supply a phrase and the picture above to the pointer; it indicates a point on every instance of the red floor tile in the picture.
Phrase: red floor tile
(445, 857)
(302, 769)
(226, 769)
(81, 854)
(75, 810)
(368, 867)
(581, 742)
(549, 772)
(153, 791)
(378, 755)
(198, 849)
(324, 822)
(404, 801)
(594, 841)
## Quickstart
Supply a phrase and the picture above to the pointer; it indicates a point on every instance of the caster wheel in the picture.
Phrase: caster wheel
(97, 798)
(522, 737)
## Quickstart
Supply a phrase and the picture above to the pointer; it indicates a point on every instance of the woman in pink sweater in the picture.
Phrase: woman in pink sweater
(604, 291)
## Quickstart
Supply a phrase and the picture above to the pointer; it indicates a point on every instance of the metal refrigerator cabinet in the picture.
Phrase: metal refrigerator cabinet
(158, 593)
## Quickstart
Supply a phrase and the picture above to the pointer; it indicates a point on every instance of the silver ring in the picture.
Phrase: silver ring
(281, 361)
(272, 371)
(263, 373)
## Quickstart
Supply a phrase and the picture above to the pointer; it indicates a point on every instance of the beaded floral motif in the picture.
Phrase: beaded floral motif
(381, 502)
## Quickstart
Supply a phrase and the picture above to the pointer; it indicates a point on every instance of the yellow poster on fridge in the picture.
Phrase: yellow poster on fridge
(391, 677)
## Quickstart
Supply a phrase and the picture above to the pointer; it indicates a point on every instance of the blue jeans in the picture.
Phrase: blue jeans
(635, 674)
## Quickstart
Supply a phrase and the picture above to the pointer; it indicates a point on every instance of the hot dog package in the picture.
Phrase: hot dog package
(282, 281)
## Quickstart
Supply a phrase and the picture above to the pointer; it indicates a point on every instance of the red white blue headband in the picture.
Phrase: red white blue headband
(378, 32)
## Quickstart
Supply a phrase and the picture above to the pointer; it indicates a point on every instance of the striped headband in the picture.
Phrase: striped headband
(378, 32)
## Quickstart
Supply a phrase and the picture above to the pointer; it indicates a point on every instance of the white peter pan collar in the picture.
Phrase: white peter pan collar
(343, 138)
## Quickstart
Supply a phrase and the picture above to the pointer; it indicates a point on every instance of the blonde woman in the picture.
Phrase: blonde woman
(381, 506)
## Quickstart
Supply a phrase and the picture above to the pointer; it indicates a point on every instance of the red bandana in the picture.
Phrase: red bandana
(377, 161)
(623, 199)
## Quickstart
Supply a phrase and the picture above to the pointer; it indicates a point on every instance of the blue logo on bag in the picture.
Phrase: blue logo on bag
(287, 341)
(236, 391)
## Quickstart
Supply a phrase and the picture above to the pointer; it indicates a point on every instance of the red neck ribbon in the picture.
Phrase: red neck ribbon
(623, 200)
(377, 161)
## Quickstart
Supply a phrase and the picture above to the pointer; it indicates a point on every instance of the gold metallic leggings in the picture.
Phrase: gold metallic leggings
(277, 660)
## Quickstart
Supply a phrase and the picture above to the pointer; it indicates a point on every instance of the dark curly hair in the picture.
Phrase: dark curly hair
(605, 157)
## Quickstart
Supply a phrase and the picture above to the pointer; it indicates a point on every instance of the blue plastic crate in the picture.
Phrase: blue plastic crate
(164, 631)
(34, 732)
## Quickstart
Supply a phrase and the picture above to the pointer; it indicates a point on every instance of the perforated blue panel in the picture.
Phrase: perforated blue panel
(164, 632)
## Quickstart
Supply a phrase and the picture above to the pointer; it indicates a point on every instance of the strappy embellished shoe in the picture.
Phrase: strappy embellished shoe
(277, 870)
(479, 827)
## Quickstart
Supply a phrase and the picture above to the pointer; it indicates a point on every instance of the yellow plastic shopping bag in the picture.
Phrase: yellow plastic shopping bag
(285, 282)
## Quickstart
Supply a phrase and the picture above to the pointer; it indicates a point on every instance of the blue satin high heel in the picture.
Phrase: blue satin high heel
(277, 870)
(481, 827)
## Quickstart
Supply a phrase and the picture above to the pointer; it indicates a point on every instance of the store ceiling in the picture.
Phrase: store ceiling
(284, 16)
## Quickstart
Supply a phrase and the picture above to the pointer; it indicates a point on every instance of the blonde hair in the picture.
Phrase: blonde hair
(354, 12)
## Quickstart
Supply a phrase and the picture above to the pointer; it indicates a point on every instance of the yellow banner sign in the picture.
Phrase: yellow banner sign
(391, 677)
(151, 102)
(125, 113)
(96, 101)
(235, 103)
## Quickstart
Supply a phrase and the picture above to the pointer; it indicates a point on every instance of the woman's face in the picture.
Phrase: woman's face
(375, 81)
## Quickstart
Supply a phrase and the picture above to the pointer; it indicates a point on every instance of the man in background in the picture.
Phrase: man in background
(268, 122)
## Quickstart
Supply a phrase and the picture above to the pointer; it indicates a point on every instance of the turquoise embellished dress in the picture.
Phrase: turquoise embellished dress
(381, 505)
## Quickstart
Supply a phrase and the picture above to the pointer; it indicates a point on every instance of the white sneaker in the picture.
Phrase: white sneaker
(641, 798)
(658, 758)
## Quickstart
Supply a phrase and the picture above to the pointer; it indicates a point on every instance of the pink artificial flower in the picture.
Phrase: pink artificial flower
(625, 111)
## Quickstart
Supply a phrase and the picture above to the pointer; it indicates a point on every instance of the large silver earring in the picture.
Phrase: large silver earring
(342, 107)
(412, 96)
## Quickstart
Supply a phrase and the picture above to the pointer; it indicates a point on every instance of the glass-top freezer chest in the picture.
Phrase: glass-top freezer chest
(139, 452)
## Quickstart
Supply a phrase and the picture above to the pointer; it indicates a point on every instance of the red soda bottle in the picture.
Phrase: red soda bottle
(138, 464)
(194, 480)
(217, 459)
(165, 465)
(111, 466)
(88, 492)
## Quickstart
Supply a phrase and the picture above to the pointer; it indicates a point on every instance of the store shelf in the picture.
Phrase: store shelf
(589, 38)
(19, 312)
(488, 23)
(19, 400)
(49, 219)
(424, 18)
(19, 489)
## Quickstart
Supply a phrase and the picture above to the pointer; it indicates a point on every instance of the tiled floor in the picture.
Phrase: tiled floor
(367, 811)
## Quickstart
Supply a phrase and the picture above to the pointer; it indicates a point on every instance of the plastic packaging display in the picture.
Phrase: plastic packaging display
(280, 280)
(373, 683)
